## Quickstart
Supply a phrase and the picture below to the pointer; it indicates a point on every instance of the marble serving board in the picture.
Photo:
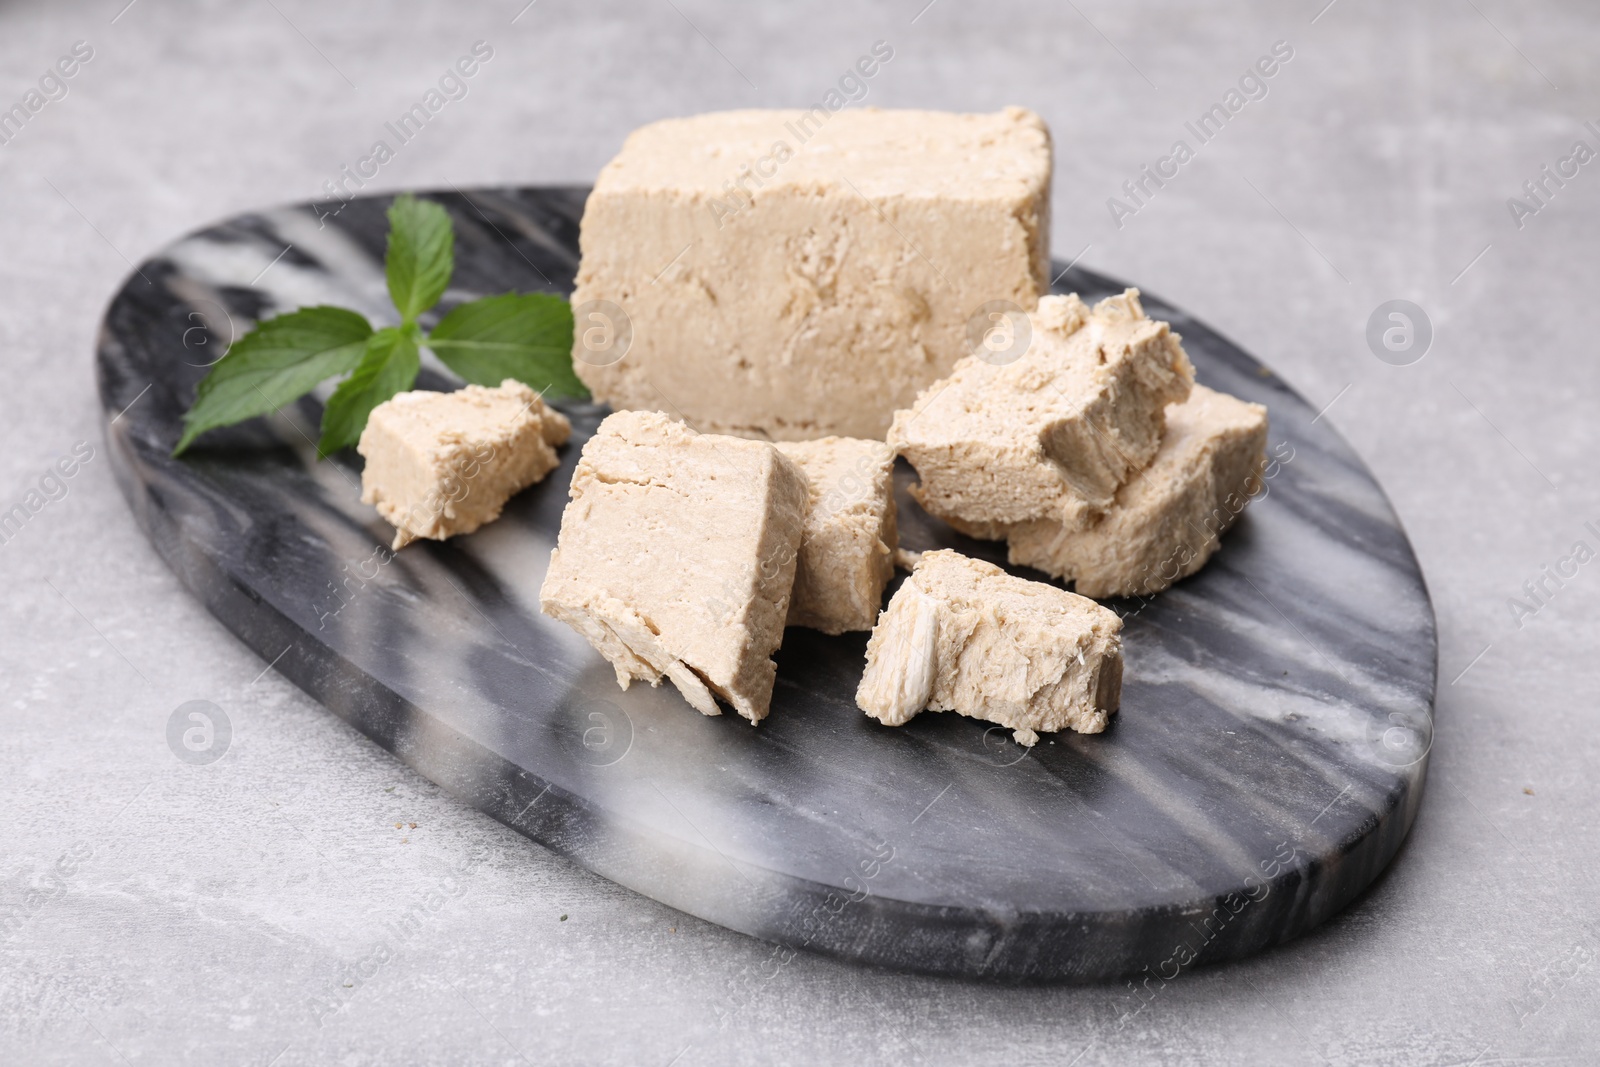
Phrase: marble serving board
(1266, 764)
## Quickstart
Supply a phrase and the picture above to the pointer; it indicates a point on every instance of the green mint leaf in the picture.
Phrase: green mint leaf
(389, 366)
(526, 336)
(282, 359)
(421, 255)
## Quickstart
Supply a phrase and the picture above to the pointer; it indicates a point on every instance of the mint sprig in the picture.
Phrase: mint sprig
(525, 336)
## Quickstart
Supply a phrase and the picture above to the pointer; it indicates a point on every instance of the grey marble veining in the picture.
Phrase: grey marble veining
(1265, 766)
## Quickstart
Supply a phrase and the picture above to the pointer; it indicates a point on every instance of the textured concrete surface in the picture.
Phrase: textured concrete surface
(268, 908)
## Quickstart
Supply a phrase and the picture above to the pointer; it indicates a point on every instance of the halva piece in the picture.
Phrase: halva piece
(847, 553)
(676, 558)
(1074, 415)
(1167, 520)
(963, 635)
(441, 464)
(788, 275)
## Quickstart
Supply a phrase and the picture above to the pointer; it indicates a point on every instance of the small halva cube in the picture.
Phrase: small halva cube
(847, 553)
(963, 635)
(1076, 414)
(441, 464)
(676, 558)
(1168, 519)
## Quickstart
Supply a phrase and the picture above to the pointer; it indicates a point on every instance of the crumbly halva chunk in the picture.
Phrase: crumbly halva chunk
(963, 635)
(787, 275)
(1168, 519)
(676, 558)
(847, 553)
(1055, 431)
(441, 464)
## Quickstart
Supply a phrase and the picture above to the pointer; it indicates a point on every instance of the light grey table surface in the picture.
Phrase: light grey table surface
(214, 914)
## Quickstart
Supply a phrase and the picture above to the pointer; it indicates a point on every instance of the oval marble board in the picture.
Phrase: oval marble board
(1266, 764)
